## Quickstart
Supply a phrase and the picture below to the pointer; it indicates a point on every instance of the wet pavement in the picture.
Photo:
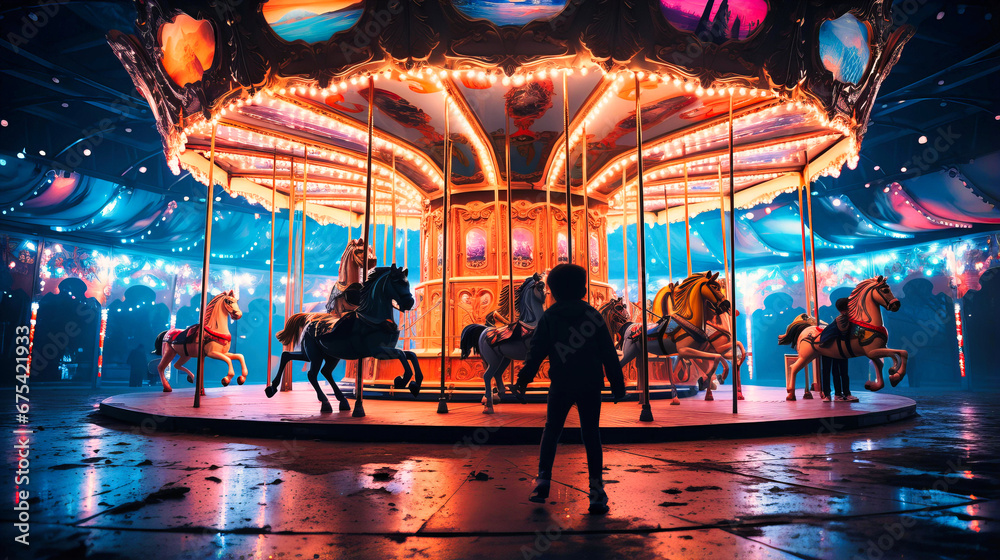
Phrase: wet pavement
(920, 488)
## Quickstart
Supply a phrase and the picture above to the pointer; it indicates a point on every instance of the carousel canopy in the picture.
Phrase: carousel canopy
(286, 87)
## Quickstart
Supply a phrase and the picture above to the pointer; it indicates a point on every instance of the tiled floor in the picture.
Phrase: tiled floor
(921, 488)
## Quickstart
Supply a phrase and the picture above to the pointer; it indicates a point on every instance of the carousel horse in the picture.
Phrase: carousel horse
(616, 317)
(345, 293)
(683, 330)
(867, 336)
(184, 342)
(367, 332)
(499, 345)
(720, 341)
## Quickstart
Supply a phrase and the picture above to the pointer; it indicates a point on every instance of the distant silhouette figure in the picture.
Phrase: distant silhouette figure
(68, 325)
(137, 361)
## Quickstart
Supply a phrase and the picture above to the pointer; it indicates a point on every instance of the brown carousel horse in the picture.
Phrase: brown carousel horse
(867, 336)
(184, 342)
(682, 331)
(345, 294)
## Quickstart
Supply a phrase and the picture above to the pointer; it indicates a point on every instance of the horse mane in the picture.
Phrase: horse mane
(854, 301)
(519, 295)
(681, 294)
(795, 328)
(376, 277)
(346, 260)
(210, 309)
(504, 304)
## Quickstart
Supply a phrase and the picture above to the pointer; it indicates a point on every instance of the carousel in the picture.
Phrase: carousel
(508, 137)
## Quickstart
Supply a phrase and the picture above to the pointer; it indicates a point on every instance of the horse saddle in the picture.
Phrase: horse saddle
(668, 328)
(512, 332)
(348, 324)
(351, 294)
(190, 336)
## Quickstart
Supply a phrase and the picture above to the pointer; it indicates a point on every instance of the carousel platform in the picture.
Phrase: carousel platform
(245, 411)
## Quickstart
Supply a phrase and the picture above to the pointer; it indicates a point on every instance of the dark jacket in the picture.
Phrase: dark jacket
(572, 334)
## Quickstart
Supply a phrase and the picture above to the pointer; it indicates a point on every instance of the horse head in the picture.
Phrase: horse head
(615, 313)
(530, 298)
(230, 305)
(883, 295)
(711, 294)
(399, 285)
(357, 248)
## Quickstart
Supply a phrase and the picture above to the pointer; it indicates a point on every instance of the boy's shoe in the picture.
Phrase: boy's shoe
(598, 500)
(826, 398)
(851, 398)
(518, 392)
(541, 491)
(841, 398)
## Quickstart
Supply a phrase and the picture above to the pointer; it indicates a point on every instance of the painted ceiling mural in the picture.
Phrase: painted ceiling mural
(310, 21)
(511, 12)
(714, 21)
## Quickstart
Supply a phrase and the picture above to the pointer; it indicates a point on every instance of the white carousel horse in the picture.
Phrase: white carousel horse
(867, 336)
(184, 342)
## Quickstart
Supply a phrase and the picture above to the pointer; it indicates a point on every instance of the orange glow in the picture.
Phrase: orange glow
(188, 48)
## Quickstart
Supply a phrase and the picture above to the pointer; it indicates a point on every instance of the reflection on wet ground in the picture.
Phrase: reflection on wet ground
(925, 487)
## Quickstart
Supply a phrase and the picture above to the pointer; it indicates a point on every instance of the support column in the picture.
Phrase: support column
(359, 390)
(647, 412)
(199, 380)
(445, 214)
(569, 185)
(732, 260)
(270, 268)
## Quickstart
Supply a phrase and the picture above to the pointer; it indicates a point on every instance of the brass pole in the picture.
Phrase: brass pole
(647, 412)
(628, 300)
(359, 392)
(666, 220)
(270, 273)
(812, 238)
(732, 260)
(722, 222)
(586, 211)
(569, 186)
(199, 384)
(510, 229)
(802, 229)
(393, 207)
(286, 378)
(687, 221)
(302, 248)
(442, 403)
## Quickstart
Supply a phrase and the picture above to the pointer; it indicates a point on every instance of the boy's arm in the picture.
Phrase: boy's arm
(538, 349)
(609, 358)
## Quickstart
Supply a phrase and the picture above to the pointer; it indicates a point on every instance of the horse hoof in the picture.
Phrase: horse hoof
(739, 396)
(325, 408)
(790, 397)
(241, 380)
(225, 382)
(874, 385)
(488, 410)
(709, 397)
(345, 406)
(675, 401)
(167, 389)
(895, 378)
(190, 378)
(414, 388)
(270, 391)
(398, 383)
(807, 395)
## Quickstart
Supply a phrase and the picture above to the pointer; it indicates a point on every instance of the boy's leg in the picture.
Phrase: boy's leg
(559, 403)
(589, 408)
(845, 381)
(827, 366)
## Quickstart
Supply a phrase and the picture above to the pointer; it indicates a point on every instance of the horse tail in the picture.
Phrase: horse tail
(791, 335)
(158, 345)
(289, 335)
(470, 339)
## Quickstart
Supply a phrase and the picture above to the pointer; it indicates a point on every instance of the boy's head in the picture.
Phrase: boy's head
(567, 282)
(841, 304)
